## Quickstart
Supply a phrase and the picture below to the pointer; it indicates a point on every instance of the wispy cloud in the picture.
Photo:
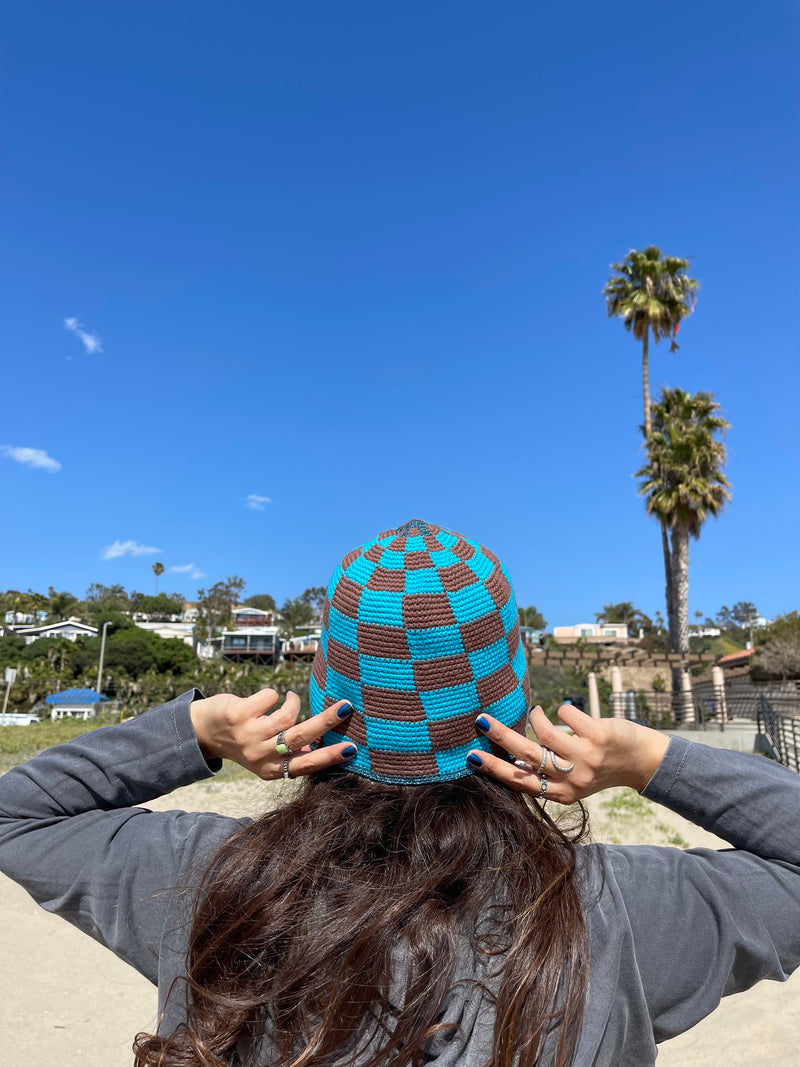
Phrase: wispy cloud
(128, 548)
(91, 341)
(190, 569)
(256, 502)
(31, 457)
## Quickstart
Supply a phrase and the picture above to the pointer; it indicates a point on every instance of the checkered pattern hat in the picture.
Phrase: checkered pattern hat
(420, 633)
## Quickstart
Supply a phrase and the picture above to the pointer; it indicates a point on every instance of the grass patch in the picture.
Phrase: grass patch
(625, 807)
(18, 744)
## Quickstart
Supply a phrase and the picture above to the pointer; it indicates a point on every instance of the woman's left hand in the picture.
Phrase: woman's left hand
(271, 744)
(565, 767)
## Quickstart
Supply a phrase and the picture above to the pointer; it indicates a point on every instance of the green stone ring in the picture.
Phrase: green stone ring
(280, 745)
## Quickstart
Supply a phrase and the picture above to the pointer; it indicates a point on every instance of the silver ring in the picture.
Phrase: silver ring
(558, 767)
(286, 767)
(543, 764)
(543, 791)
(523, 766)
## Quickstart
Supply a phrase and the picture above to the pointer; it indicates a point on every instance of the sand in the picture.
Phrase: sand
(67, 1002)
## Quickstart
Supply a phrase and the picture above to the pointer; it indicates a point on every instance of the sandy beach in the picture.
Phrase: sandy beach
(67, 1002)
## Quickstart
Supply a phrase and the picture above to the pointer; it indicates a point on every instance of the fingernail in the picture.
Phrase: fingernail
(349, 752)
(344, 710)
(483, 723)
(474, 761)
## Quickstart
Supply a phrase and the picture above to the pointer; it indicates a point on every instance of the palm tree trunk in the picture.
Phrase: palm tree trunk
(646, 384)
(680, 613)
(668, 576)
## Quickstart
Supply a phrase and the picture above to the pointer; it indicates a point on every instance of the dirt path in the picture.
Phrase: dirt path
(67, 1002)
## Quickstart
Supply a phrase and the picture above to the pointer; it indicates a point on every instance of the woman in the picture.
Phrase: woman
(411, 904)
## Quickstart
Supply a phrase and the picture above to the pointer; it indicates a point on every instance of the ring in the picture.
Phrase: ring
(280, 745)
(543, 791)
(543, 764)
(558, 767)
(286, 767)
(523, 766)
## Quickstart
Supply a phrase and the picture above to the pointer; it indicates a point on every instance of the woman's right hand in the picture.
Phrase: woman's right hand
(245, 730)
(598, 754)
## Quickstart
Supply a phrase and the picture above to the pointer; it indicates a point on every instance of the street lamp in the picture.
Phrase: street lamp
(102, 657)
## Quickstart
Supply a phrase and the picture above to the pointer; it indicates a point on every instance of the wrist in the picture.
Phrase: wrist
(652, 752)
(198, 712)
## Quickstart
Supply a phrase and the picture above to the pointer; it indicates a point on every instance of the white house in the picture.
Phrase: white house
(597, 633)
(251, 644)
(69, 628)
(21, 618)
(245, 616)
(184, 631)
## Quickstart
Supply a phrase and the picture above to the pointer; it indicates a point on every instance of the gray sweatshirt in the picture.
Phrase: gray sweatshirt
(670, 931)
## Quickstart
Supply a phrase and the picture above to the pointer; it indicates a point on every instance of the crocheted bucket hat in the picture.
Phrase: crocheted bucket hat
(420, 633)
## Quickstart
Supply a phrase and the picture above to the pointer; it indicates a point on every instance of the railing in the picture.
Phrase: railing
(653, 708)
(782, 732)
(741, 698)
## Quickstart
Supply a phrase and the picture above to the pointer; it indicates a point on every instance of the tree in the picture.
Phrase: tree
(531, 617)
(214, 606)
(106, 597)
(314, 596)
(262, 601)
(295, 612)
(683, 485)
(652, 293)
(59, 604)
(158, 570)
(777, 655)
(624, 612)
(159, 608)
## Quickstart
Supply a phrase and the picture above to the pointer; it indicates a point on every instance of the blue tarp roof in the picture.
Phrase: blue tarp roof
(75, 696)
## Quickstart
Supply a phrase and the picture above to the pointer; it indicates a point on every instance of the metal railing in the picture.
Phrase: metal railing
(782, 732)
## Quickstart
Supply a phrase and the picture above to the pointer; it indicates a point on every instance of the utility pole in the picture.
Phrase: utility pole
(11, 676)
(102, 657)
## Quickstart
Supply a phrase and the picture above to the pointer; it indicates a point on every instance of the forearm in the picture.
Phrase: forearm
(747, 800)
(113, 767)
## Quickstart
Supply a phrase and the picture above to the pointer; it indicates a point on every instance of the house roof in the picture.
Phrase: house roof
(75, 696)
(71, 623)
(736, 657)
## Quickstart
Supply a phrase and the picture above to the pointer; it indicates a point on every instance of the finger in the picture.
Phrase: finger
(575, 719)
(508, 739)
(504, 771)
(330, 756)
(283, 718)
(260, 703)
(551, 737)
(318, 725)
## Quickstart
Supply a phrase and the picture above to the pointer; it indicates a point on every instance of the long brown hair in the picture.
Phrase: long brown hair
(299, 918)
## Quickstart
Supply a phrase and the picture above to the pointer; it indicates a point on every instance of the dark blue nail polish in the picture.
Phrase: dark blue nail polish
(483, 724)
(349, 752)
(474, 761)
(344, 710)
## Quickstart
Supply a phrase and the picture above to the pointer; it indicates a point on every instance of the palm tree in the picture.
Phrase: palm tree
(158, 570)
(683, 485)
(623, 612)
(652, 293)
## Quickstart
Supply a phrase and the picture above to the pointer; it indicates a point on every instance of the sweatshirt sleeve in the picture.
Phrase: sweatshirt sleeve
(707, 923)
(71, 836)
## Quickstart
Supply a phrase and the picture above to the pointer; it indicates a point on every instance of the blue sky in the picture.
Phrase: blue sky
(349, 257)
